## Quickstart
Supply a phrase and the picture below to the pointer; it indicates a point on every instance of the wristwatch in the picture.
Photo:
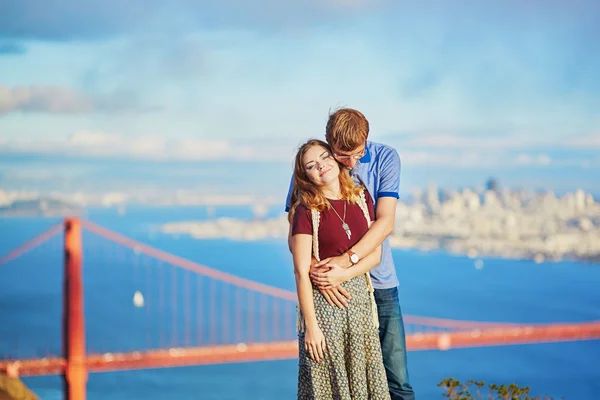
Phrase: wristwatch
(354, 258)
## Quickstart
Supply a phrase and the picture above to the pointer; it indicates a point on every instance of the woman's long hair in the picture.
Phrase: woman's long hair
(304, 191)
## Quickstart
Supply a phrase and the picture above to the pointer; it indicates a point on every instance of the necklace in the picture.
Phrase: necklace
(344, 224)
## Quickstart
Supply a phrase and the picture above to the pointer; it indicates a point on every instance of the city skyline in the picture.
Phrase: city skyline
(463, 92)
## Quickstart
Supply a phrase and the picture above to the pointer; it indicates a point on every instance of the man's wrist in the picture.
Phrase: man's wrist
(353, 258)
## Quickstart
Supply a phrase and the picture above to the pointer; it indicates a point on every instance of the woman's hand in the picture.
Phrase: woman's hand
(314, 343)
(331, 278)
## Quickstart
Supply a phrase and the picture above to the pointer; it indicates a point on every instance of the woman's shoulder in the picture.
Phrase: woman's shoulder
(302, 209)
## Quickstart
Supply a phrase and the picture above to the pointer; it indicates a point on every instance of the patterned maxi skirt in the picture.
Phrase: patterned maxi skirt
(353, 366)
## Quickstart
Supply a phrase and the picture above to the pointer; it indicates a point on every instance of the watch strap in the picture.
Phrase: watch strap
(350, 256)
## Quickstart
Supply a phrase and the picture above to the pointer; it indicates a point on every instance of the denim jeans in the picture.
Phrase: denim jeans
(393, 343)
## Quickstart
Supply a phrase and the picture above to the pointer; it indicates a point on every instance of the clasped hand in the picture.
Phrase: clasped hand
(327, 277)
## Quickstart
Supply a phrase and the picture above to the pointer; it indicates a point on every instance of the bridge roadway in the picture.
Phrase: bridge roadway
(177, 357)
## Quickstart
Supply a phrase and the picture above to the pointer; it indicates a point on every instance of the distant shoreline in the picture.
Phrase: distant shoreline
(41, 207)
(472, 247)
(79, 213)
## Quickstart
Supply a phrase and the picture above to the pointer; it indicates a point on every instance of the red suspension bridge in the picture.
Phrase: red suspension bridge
(185, 313)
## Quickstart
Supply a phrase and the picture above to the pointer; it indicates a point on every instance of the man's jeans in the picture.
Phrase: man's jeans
(393, 343)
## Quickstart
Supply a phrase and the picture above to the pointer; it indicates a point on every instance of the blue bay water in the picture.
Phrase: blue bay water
(432, 284)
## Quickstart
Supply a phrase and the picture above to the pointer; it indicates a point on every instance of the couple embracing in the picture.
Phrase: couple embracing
(342, 204)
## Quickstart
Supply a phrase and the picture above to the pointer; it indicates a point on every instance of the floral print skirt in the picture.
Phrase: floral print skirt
(353, 366)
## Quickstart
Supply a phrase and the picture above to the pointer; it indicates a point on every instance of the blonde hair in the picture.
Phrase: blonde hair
(304, 191)
(347, 129)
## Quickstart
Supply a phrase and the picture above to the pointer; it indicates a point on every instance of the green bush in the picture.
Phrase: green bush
(473, 390)
(14, 389)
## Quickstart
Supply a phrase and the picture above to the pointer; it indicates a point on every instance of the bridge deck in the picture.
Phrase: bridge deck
(177, 357)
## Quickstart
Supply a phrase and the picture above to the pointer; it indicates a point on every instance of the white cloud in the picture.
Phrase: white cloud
(475, 141)
(92, 139)
(53, 99)
(590, 141)
(451, 159)
(106, 146)
(64, 100)
(528, 159)
(590, 163)
(109, 145)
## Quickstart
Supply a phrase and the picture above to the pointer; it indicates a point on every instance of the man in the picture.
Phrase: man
(377, 167)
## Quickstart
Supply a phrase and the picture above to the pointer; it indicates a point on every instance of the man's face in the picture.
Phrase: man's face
(349, 158)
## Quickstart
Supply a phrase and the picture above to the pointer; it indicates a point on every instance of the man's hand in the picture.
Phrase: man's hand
(337, 296)
(343, 261)
(331, 278)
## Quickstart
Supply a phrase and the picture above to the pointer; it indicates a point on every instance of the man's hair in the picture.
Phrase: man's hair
(305, 192)
(346, 129)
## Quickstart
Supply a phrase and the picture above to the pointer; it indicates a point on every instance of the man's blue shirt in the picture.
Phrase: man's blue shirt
(379, 172)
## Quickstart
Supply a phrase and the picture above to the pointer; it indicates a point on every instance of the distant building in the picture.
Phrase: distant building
(492, 185)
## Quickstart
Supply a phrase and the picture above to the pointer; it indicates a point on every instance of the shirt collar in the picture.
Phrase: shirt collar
(364, 160)
(367, 157)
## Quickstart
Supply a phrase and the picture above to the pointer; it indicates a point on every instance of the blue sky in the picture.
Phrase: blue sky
(463, 89)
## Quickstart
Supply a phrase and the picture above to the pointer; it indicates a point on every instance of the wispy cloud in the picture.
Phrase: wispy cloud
(586, 141)
(60, 99)
(43, 99)
(462, 159)
(108, 146)
(476, 140)
(156, 148)
(528, 159)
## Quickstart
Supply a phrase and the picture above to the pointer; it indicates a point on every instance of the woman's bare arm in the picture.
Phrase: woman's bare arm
(302, 254)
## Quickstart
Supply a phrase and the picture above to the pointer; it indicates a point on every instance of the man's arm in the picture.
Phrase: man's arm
(336, 275)
(381, 228)
(366, 264)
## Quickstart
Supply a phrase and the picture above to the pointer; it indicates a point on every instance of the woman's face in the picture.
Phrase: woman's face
(321, 168)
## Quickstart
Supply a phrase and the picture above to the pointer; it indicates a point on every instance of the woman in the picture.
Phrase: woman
(340, 354)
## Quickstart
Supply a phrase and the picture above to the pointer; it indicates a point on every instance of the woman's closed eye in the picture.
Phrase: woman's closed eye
(323, 157)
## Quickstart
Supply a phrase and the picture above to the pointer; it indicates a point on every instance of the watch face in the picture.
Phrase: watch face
(354, 258)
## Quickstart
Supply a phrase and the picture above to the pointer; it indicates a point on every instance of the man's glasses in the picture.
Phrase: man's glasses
(356, 156)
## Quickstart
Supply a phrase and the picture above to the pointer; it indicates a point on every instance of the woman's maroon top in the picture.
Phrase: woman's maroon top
(333, 240)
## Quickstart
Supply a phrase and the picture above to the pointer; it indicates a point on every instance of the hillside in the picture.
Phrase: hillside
(39, 207)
